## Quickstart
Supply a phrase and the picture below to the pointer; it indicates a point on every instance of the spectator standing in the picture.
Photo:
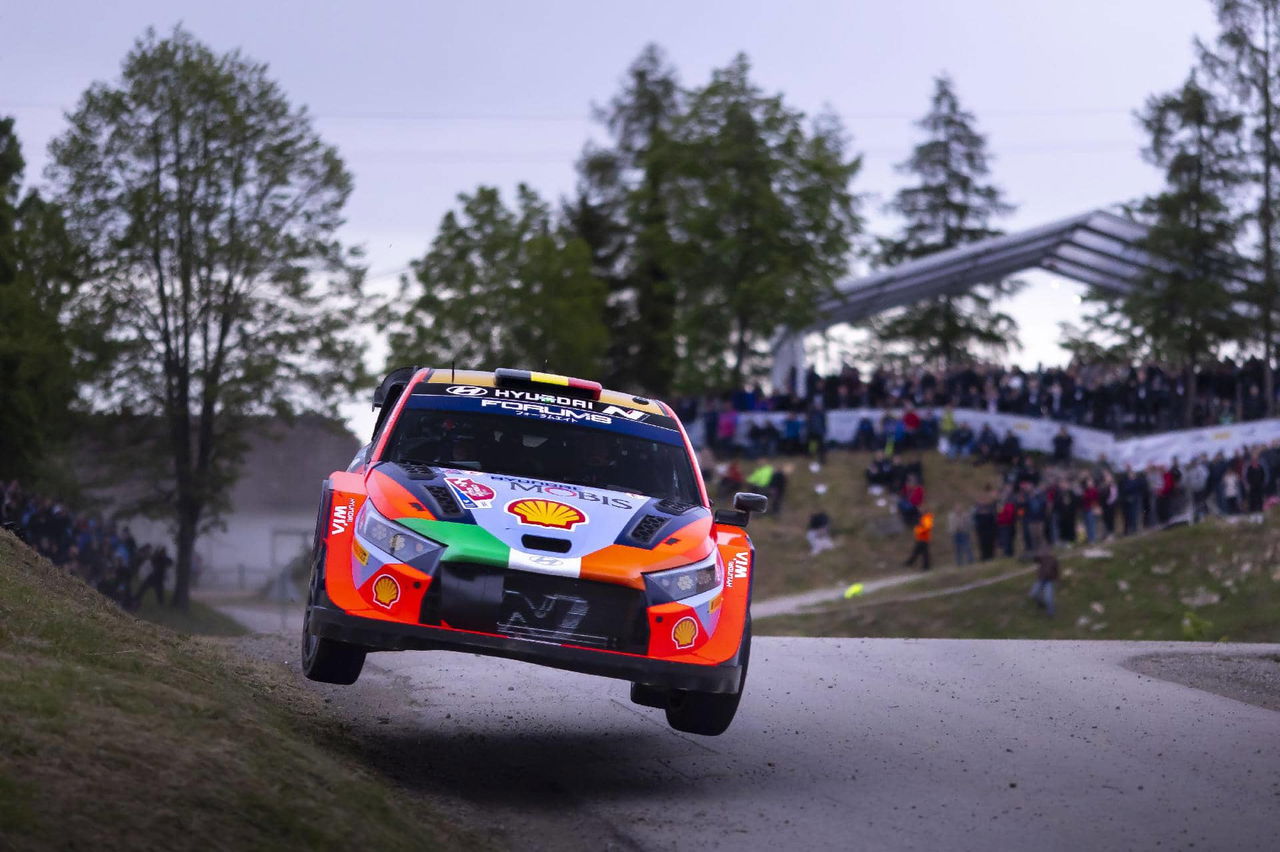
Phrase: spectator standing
(1006, 519)
(1130, 498)
(160, 563)
(1231, 491)
(1197, 479)
(1068, 508)
(1110, 496)
(1255, 482)
(984, 524)
(959, 524)
(923, 535)
(1046, 576)
(1090, 506)
(778, 488)
(817, 429)
(1062, 446)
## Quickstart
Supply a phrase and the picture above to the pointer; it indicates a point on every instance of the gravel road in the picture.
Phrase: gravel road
(842, 744)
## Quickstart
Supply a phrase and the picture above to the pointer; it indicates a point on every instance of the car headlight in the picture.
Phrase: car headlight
(391, 539)
(684, 582)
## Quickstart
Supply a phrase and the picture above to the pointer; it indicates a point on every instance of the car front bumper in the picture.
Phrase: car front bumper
(328, 622)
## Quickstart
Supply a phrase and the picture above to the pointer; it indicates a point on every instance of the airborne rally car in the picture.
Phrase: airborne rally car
(539, 518)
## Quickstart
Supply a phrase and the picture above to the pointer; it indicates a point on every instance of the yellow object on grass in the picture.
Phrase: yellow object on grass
(855, 589)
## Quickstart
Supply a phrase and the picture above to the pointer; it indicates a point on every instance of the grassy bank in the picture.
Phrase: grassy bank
(872, 541)
(119, 734)
(1214, 581)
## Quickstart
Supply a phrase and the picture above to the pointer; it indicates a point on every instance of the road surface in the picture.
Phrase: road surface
(839, 744)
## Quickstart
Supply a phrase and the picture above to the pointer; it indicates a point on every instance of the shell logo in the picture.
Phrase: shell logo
(547, 513)
(685, 631)
(386, 591)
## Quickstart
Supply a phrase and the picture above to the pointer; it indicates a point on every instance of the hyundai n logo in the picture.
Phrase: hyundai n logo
(466, 390)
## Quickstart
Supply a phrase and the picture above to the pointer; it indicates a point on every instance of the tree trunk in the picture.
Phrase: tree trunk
(1267, 218)
(1189, 404)
(188, 522)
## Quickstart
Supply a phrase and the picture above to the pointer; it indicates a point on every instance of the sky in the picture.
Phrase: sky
(425, 100)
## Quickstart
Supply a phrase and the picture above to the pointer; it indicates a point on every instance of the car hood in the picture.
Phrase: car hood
(541, 525)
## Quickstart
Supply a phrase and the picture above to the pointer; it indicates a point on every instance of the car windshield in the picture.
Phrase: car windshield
(541, 449)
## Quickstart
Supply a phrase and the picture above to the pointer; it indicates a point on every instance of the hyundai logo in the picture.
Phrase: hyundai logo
(466, 390)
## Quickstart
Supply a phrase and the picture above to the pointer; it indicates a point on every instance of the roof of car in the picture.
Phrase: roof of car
(486, 379)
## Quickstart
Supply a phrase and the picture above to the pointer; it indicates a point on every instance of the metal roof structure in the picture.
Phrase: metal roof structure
(1098, 248)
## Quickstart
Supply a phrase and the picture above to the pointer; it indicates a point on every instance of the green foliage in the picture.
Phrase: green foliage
(1184, 307)
(209, 206)
(36, 276)
(622, 212)
(502, 288)
(715, 216)
(764, 221)
(951, 204)
(1246, 68)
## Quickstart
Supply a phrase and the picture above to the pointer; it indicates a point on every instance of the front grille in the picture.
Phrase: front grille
(523, 605)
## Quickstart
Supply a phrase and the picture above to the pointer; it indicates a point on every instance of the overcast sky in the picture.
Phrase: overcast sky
(427, 99)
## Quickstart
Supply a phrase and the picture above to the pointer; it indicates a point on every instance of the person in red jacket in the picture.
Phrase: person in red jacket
(923, 535)
(1090, 500)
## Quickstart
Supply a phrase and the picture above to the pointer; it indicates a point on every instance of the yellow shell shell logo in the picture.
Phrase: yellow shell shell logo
(685, 631)
(386, 591)
(546, 513)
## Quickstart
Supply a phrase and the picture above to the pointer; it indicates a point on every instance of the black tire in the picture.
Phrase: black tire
(326, 660)
(708, 713)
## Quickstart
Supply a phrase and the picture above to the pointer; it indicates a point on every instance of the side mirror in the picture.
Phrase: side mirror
(744, 503)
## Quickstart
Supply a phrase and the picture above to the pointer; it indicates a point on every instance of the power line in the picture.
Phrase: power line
(441, 117)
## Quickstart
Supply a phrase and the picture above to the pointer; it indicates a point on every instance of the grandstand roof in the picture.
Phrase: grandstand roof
(1098, 248)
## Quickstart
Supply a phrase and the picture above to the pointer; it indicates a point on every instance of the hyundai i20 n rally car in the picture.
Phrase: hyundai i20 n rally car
(539, 518)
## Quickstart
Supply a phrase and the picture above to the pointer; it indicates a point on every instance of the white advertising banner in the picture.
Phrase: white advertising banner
(1037, 434)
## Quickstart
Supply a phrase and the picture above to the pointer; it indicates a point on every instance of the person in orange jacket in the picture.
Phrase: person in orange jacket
(923, 533)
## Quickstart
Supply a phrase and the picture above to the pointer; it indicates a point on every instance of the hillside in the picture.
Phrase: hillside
(1214, 581)
(871, 541)
(119, 734)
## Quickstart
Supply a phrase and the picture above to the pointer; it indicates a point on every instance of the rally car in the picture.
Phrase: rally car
(540, 518)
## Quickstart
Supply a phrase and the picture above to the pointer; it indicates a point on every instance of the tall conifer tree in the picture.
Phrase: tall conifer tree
(1245, 62)
(951, 203)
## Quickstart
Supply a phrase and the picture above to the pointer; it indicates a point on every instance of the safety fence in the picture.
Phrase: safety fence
(1038, 434)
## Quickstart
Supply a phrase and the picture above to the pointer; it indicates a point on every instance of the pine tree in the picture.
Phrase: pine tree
(622, 212)
(1246, 65)
(1185, 308)
(951, 204)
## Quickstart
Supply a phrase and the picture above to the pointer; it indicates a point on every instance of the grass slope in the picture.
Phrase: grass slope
(1214, 581)
(119, 734)
(871, 541)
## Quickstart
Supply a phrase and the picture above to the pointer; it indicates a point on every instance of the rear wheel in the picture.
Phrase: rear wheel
(707, 713)
(326, 660)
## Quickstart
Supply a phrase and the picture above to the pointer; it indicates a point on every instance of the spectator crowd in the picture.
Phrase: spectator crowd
(1116, 398)
(104, 555)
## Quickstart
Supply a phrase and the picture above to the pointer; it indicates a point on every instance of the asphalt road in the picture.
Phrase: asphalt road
(839, 744)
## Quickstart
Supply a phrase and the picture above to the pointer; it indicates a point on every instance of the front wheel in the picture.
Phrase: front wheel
(326, 660)
(708, 713)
